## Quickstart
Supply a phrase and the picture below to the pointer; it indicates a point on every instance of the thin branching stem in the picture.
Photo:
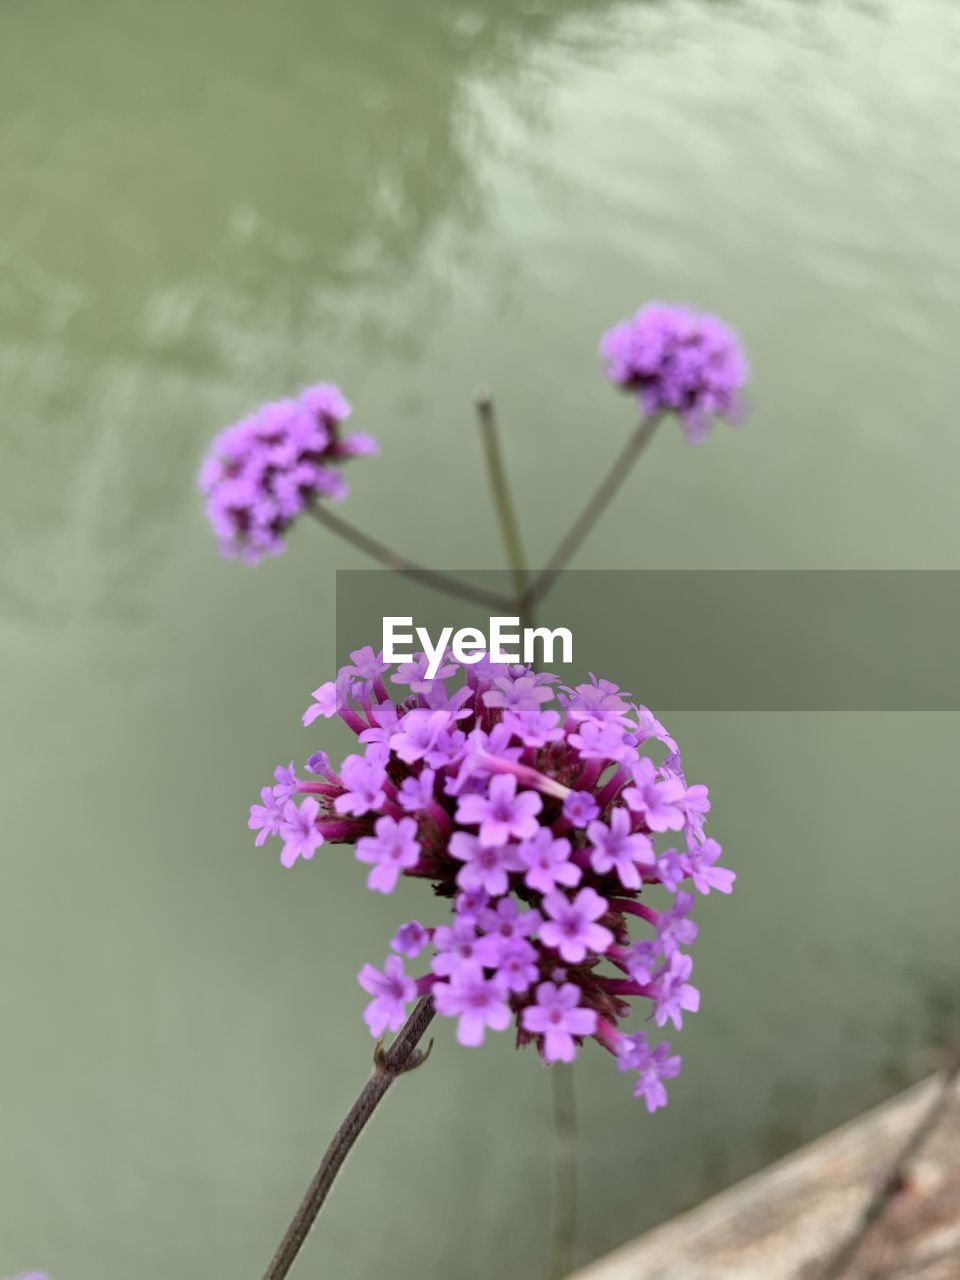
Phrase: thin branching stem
(401, 1057)
(500, 488)
(620, 469)
(564, 1115)
(565, 1170)
(391, 559)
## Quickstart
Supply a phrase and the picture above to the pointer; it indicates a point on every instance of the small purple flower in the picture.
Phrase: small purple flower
(418, 734)
(437, 697)
(363, 778)
(502, 813)
(366, 665)
(507, 920)
(674, 930)
(267, 818)
(671, 869)
(641, 960)
(286, 781)
(455, 947)
(359, 445)
(579, 808)
(557, 1017)
(695, 805)
(614, 848)
(546, 862)
(414, 674)
(599, 702)
(653, 1066)
(648, 726)
(392, 991)
(448, 749)
(326, 702)
(319, 765)
(474, 764)
(393, 849)
(534, 728)
(327, 402)
(410, 939)
(416, 793)
(698, 863)
(385, 720)
(674, 993)
(517, 693)
(572, 929)
(656, 799)
(517, 965)
(674, 360)
(477, 1002)
(503, 925)
(470, 903)
(485, 866)
(694, 802)
(299, 831)
(601, 742)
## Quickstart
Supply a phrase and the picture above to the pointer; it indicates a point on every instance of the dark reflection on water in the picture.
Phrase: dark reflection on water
(192, 193)
(264, 144)
(204, 205)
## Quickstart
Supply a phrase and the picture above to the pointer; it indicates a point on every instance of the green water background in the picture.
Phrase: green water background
(206, 204)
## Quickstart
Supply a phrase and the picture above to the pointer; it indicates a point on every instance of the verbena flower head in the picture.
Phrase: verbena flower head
(563, 845)
(675, 360)
(262, 472)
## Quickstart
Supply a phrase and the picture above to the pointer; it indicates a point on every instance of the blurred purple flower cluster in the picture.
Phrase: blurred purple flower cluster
(536, 811)
(264, 471)
(675, 360)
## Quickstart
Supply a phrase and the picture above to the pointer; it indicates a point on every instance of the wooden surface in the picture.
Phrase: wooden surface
(785, 1222)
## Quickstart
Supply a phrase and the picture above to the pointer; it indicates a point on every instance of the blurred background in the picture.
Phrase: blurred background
(204, 205)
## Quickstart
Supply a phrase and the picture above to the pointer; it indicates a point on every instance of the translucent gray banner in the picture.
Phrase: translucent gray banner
(728, 640)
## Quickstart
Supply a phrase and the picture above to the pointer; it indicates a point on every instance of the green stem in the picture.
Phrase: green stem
(506, 514)
(595, 508)
(563, 1219)
(402, 1056)
(392, 559)
(565, 1170)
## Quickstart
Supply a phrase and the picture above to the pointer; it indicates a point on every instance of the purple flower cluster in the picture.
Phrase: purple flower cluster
(676, 361)
(263, 471)
(549, 829)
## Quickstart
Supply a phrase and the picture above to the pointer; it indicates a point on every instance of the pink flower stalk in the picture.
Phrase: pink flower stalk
(541, 826)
